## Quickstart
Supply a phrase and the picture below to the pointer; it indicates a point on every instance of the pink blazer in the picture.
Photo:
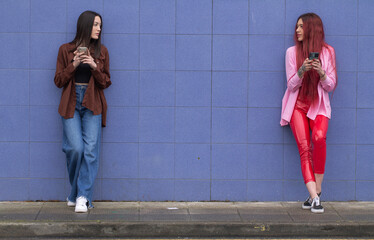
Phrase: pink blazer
(320, 107)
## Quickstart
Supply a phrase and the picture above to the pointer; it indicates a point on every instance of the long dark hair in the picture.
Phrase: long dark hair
(314, 41)
(84, 30)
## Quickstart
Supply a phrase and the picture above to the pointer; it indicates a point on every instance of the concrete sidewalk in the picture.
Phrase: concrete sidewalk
(187, 220)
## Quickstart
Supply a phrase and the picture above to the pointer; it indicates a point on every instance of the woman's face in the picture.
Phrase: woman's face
(96, 28)
(299, 30)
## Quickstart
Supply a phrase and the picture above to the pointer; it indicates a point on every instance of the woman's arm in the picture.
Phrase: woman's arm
(101, 73)
(293, 80)
(328, 79)
(64, 70)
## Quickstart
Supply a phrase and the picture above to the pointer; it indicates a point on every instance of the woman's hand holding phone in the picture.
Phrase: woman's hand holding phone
(316, 64)
(82, 55)
(88, 59)
(77, 58)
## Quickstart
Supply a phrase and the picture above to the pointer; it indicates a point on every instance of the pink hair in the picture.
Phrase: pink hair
(313, 41)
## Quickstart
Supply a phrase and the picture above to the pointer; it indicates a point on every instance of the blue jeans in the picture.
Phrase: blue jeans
(81, 144)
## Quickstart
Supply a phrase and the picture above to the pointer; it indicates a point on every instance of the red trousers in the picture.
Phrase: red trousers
(312, 149)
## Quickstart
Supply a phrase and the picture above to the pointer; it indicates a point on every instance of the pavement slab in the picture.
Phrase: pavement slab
(186, 220)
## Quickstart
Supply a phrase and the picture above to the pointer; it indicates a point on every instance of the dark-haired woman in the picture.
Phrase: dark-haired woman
(82, 71)
(306, 105)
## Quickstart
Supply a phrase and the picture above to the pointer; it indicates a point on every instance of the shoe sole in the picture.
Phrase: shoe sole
(317, 211)
(71, 205)
(306, 207)
(81, 211)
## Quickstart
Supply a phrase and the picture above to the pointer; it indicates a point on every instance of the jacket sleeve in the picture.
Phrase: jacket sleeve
(293, 80)
(101, 74)
(64, 69)
(330, 69)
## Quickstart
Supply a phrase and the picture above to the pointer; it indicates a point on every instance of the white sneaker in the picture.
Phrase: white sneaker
(81, 205)
(70, 204)
(316, 206)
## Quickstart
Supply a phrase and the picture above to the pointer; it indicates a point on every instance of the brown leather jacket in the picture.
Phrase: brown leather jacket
(94, 98)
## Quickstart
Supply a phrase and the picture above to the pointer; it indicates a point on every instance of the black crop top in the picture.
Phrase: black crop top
(83, 73)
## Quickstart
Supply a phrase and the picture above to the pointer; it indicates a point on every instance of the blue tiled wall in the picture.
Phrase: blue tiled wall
(194, 108)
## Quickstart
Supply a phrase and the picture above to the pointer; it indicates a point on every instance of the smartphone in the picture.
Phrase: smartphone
(82, 49)
(313, 55)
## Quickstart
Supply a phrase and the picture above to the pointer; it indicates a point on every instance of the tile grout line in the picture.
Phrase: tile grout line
(211, 99)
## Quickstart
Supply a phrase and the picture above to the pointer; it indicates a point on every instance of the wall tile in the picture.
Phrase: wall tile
(121, 16)
(14, 124)
(45, 124)
(345, 51)
(12, 43)
(193, 52)
(157, 52)
(193, 125)
(192, 161)
(122, 125)
(124, 89)
(230, 17)
(230, 52)
(47, 189)
(119, 190)
(14, 159)
(156, 156)
(192, 190)
(229, 89)
(97, 189)
(365, 126)
(288, 41)
(228, 191)
(44, 49)
(263, 125)
(265, 161)
(345, 95)
(365, 88)
(292, 167)
(47, 160)
(259, 12)
(339, 18)
(364, 191)
(264, 190)
(16, 91)
(193, 89)
(266, 89)
(335, 135)
(194, 17)
(156, 190)
(266, 53)
(229, 161)
(338, 191)
(365, 17)
(229, 125)
(123, 51)
(157, 89)
(294, 191)
(43, 90)
(288, 135)
(119, 160)
(365, 165)
(47, 16)
(14, 189)
(340, 162)
(365, 53)
(156, 124)
(157, 16)
(13, 15)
